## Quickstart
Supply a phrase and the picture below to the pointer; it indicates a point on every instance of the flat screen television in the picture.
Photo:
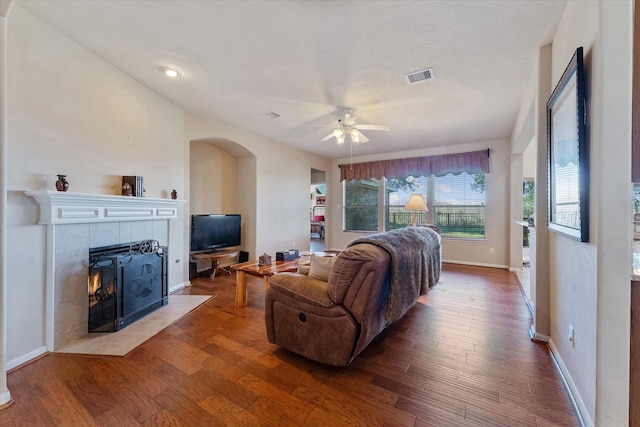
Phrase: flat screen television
(211, 232)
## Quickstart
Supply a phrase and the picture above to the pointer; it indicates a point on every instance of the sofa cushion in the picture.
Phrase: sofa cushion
(321, 267)
(302, 288)
(304, 269)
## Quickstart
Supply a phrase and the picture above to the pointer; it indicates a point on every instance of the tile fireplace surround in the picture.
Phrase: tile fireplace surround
(76, 222)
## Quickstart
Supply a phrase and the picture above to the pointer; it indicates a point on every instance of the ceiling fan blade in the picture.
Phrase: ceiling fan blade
(362, 138)
(373, 127)
(349, 119)
(323, 126)
(328, 137)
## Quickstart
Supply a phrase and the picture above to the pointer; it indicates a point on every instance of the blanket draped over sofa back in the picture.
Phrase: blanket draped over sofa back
(415, 265)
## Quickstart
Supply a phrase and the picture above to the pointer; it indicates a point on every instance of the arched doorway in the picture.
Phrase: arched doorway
(222, 179)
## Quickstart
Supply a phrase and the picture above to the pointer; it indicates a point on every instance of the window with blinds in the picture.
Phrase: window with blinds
(360, 205)
(398, 191)
(459, 205)
(566, 209)
(456, 204)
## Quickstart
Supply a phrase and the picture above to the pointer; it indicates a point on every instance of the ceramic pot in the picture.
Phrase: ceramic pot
(62, 184)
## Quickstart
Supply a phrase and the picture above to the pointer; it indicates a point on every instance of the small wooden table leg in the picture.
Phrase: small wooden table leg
(266, 281)
(241, 288)
(214, 269)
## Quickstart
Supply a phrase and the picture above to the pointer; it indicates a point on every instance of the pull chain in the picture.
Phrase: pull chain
(351, 157)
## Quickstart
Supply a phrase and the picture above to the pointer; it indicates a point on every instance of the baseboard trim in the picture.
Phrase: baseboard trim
(535, 336)
(526, 299)
(6, 400)
(29, 357)
(179, 287)
(574, 394)
(476, 264)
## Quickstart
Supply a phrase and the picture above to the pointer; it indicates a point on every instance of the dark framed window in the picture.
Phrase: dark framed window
(361, 205)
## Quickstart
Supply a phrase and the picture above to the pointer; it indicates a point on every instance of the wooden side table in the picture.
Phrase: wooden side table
(252, 268)
(216, 257)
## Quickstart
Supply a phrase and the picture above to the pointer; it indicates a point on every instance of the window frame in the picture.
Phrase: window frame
(383, 207)
(363, 182)
(461, 229)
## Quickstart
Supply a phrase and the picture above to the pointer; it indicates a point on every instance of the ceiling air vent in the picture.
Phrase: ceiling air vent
(419, 76)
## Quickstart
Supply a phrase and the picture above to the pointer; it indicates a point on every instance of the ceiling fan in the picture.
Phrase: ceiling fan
(348, 126)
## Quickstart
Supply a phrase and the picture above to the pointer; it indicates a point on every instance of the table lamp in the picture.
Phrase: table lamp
(416, 203)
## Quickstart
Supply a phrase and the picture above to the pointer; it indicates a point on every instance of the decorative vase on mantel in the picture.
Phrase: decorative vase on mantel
(62, 184)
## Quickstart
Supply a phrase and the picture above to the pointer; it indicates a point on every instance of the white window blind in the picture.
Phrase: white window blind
(460, 205)
(398, 191)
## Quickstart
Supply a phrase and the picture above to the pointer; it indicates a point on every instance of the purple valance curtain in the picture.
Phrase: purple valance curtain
(471, 162)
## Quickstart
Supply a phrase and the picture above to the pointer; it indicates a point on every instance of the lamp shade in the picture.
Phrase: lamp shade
(416, 203)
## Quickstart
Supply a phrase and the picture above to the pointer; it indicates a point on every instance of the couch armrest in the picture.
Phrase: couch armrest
(302, 288)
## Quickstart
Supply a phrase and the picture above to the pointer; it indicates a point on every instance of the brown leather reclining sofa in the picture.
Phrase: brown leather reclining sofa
(333, 321)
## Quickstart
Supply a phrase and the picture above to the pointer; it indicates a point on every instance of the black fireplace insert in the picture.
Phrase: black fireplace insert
(126, 282)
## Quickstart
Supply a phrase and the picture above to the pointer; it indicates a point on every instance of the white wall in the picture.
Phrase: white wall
(523, 139)
(588, 284)
(611, 133)
(212, 180)
(587, 278)
(273, 186)
(529, 160)
(317, 177)
(70, 112)
(246, 188)
(212, 183)
(453, 250)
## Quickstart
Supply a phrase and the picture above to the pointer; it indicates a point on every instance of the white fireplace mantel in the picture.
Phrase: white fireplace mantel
(66, 216)
(71, 208)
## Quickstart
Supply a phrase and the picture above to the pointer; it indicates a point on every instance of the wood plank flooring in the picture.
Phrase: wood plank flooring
(460, 357)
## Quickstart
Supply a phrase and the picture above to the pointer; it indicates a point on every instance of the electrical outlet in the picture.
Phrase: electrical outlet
(572, 335)
(293, 245)
(492, 251)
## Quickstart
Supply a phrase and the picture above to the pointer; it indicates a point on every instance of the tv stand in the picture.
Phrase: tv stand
(216, 258)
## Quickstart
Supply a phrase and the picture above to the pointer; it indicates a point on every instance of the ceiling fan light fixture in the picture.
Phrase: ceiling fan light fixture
(347, 126)
(355, 138)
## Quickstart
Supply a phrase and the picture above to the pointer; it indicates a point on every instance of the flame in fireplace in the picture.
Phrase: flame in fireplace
(94, 285)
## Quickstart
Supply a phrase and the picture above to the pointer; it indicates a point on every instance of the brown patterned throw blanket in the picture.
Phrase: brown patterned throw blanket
(415, 265)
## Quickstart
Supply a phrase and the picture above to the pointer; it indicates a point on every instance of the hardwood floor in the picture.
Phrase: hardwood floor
(460, 357)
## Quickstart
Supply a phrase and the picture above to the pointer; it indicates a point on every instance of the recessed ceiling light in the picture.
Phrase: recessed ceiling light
(170, 72)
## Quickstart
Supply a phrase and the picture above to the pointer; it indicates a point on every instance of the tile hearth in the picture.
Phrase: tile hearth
(122, 342)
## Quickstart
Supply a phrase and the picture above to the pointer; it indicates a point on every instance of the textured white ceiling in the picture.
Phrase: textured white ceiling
(307, 60)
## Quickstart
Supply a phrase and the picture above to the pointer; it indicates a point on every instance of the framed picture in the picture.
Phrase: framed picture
(568, 154)
(320, 200)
